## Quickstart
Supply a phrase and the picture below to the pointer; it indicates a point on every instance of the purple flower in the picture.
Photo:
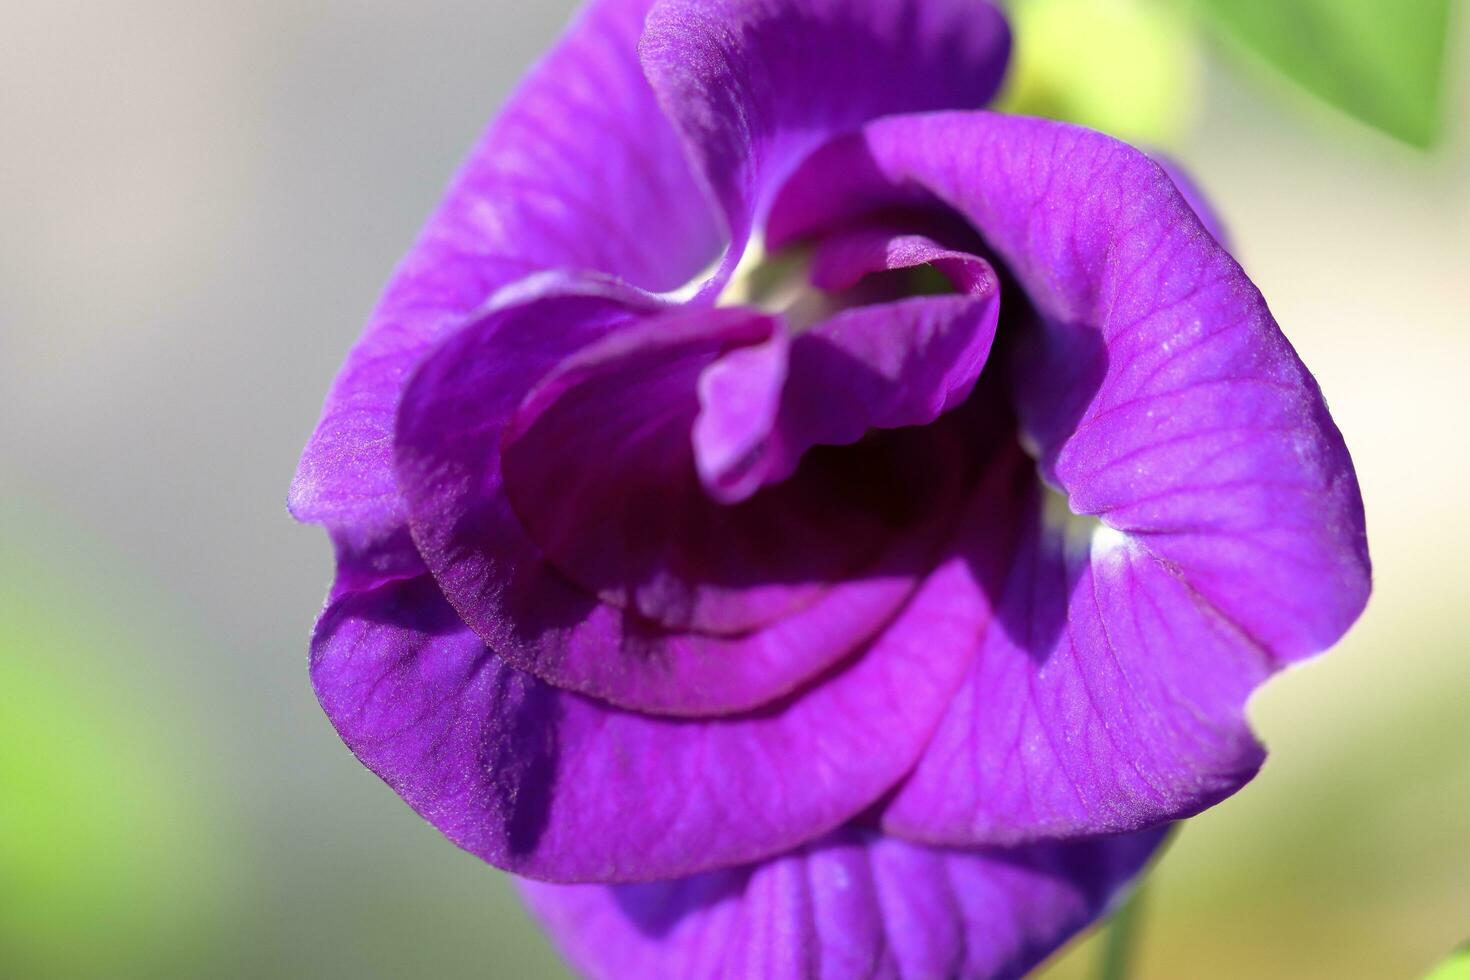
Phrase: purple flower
(868, 612)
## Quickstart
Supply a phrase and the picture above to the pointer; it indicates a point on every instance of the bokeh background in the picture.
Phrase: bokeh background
(199, 201)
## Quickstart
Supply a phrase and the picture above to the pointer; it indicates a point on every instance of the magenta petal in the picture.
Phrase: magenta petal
(855, 904)
(556, 786)
(753, 86)
(1157, 389)
(580, 171)
(884, 366)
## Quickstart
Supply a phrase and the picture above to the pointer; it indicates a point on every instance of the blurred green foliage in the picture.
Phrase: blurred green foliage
(1457, 967)
(110, 864)
(1132, 67)
(1125, 67)
(1381, 61)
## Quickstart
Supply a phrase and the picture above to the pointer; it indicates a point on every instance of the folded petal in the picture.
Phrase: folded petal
(451, 435)
(1195, 197)
(1223, 529)
(553, 785)
(599, 468)
(842, 259)
(1104, 697)
(854, 904)
(883, 366)
(580, 171)
(1157, 389)
(753, 86)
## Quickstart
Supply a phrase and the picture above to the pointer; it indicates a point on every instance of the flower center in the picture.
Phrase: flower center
(1082, 534)
(771, 282)
(781, 283)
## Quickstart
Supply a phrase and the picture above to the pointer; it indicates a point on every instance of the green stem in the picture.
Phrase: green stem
(1118, 941)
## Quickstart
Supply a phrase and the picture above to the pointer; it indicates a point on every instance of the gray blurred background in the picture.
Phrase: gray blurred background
(199, 202)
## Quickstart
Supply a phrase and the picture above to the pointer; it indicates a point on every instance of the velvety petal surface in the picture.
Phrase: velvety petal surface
(1105, 696)
(599, 467)
(1157, 389)
(753, 85)
(883, 366)
(1225, 533)
(1195, 197)
(580, 171)
(854, 904)
(557, 786)
(453, 424)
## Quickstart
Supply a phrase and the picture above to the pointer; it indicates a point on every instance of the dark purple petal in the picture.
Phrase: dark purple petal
(452, 424)
(557, 786)
(599, 468)
(884, 366)
(370, 559)
(580, 171)
(753, 86)
(1157, 389)
(855, 904)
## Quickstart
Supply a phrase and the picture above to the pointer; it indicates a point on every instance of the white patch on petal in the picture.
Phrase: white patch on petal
(750, 282)
(740, 289)
(1106, 540)
(1081, 534)
(692, 288)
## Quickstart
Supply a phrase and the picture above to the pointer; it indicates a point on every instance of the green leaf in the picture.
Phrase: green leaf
(1456, 967)
(1381, 61)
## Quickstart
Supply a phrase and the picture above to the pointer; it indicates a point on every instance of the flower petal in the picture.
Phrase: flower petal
(855, 904)
(842, 259)
(557, 786)
(884, 366)
(751, 93)
(1105, 696)
(598, 466)
(1195, 197)
(580, 171)
(1158, 390)
(450, 433)
(1160, 397)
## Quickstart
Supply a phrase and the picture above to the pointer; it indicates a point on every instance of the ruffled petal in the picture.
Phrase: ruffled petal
(1225, 533)
(598, 467)
(1105, 696)
(450, 437)
(580, 171)
(1156, 388)
(884, 366)
(855, 904)
(842, 259)
(560, 787)
(753, 86)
